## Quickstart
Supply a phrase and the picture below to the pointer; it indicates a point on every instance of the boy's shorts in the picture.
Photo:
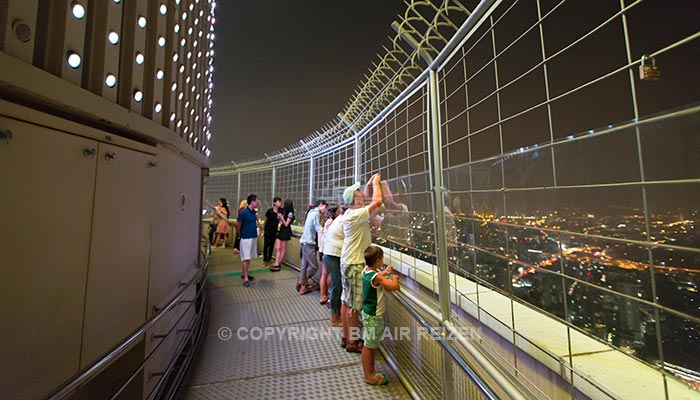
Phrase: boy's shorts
(373, 330)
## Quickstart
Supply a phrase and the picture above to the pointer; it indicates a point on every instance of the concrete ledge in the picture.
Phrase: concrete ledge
(599, 371)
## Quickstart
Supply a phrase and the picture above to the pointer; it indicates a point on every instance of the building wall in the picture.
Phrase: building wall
(100, 209)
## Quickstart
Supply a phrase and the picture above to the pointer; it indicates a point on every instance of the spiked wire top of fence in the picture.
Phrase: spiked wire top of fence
(420, 34)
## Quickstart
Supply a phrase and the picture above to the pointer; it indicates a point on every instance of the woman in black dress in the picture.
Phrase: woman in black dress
(284, 235)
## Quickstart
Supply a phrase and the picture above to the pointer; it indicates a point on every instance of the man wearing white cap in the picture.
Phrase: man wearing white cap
(356, 225)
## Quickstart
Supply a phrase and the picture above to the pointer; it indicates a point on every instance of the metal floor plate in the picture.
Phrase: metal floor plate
(340, 382)
(268, 342)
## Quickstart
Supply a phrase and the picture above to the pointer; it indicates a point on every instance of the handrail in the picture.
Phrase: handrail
(495, 373)
(171, 364)
(188, 358)
(101, 364)
(480, 383)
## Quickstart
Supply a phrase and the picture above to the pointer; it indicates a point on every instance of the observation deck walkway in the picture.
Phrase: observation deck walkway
(236, 361)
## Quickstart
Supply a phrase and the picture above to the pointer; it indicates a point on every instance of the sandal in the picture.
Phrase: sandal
(322, 301)
(275, 268)
(354, 347)
(250, 277)
(304, 290)
(381, 379)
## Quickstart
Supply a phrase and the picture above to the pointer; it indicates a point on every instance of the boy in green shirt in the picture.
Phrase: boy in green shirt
(374, 282)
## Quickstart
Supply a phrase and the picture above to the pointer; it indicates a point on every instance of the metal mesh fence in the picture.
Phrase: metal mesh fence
(570, 189)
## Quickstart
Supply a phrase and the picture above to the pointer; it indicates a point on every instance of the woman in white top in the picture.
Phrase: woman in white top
(333, 236)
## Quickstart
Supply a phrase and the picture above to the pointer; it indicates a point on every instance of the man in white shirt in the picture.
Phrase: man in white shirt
(356, 225)
(309, 255)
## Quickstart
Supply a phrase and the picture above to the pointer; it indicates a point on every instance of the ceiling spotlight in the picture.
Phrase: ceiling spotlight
(142, 21)
(110, 80)
(163, 9)
(139, 58)
(78, 10)
(161, 41)
(74, 59)
(138, 96)
(113, 37)
(158, 108)
(160, 74)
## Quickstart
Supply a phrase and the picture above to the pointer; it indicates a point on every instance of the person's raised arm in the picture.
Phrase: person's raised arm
(368, 186)
(389, 284)
(220, 214)
(376, 193)
(215, 210)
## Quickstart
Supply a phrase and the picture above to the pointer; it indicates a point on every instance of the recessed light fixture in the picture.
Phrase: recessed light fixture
(113, 37)
(78, 10)
(110, 80)
(74, 59)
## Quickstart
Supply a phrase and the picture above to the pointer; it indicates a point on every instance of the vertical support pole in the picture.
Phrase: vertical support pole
(357, 159)
(274, 181)
(311, 180)
(440, 226)
(645, 202)
(238, 191)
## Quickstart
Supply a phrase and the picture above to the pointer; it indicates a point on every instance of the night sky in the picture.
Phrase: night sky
(283, 69)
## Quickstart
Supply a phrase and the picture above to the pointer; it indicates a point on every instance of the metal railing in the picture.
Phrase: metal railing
(191, 340)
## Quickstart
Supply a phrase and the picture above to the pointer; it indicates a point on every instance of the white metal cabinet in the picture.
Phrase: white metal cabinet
(46, 197)
(119, 250)
(176, 227)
